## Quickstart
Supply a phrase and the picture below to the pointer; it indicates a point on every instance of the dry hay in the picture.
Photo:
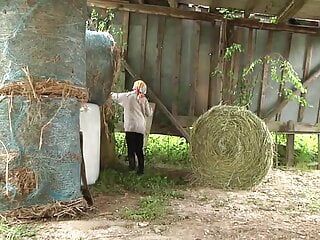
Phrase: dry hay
(23, 179)
(231, 148)
(44, 88)
(57, 210)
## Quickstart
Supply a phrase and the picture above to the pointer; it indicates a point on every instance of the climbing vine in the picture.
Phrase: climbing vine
(281, 71)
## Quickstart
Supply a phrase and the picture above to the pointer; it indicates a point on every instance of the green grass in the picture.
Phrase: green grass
(306, 150)
(16, 231)
(150, 208)
(156, 192)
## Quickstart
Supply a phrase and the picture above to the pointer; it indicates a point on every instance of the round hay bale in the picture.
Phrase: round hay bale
(102, 60)
(231, 148)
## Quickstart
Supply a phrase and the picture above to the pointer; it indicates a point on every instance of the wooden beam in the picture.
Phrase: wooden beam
(285, 101)
(155, 10)
(290, 146)
(291, 9)
(251, 23)
(202, 16)
(162, 107)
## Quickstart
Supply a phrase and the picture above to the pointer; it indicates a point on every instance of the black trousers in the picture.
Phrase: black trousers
(135, 148)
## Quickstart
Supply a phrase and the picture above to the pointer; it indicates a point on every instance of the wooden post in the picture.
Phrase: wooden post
(290, 144)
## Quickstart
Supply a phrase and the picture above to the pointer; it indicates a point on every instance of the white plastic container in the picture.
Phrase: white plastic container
(90, 127)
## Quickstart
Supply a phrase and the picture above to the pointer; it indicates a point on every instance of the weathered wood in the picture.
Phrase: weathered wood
(179, 13)
(84, 188)
(291, 9)
(274, 27)
(173, 3)
(160, 39)
(274, 126)
(214, 93)
(227, 65)
(144, 41)
(176, 76)
(125, 32)
(159, 104)
(290, 145)
(306, 70)
(220, 63)
(265, 75)
(236, 64)
(285, 101)
(250, 53)
(281, 86)
(154, 9)
(195, 69)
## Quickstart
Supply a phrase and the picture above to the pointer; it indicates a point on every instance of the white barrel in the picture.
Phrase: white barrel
(90, 127)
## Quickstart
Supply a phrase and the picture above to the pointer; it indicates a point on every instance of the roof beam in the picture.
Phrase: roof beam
(291, 9)
(192, 15)
(154, 9)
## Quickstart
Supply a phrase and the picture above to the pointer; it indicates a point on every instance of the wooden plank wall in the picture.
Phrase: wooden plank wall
(176, 58)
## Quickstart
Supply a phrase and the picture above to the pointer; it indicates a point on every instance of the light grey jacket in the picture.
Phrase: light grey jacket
(135, 111)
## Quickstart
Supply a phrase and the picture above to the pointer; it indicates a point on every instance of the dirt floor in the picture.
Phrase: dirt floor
(285, 206)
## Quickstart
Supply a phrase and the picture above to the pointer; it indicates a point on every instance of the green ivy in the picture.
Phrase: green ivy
(281, 71)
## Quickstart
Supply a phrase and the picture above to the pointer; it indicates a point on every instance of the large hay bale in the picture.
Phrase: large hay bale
(102, 59)
(39, 152)
(42, 73)
(231, 148)
(47, 36)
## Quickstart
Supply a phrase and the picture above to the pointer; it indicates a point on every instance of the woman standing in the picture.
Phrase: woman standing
(136, 109)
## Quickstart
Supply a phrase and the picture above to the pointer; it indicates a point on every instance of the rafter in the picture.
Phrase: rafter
(291, 9)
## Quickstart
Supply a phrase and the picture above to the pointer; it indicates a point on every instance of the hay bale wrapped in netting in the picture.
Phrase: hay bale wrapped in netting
(39, 151)
(102, 65)
(231, 148)
(48, 36)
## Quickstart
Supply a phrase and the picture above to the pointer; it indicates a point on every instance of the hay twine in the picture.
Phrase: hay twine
(231, 148)
(58, 210)
(37, 88)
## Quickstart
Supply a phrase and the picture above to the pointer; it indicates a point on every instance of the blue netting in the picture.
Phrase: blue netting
(45, 35)
(52, 124)
(100, 65)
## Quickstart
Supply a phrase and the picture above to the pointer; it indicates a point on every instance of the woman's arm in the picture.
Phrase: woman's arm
(119, 97)
(148, 109)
